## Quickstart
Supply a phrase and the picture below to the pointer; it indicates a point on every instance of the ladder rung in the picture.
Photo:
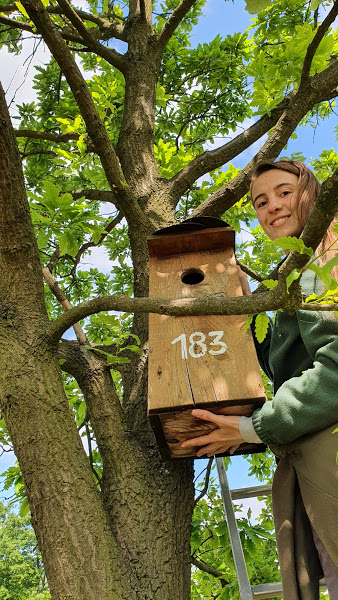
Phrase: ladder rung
(273, 590)
(251, 492)
(267, 590)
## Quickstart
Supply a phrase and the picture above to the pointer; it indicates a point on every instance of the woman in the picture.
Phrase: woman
(300, 355)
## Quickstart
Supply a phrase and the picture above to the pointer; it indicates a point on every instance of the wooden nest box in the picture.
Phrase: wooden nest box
(204, 361)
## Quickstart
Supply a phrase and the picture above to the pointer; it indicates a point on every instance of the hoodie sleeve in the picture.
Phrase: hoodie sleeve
(309, 402)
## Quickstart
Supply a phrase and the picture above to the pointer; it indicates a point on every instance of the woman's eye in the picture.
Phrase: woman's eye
(285, 192)
(261, 203)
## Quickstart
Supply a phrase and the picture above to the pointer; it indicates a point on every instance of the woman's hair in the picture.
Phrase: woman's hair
(307, 191)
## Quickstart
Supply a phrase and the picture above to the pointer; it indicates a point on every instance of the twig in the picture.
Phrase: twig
(321, 31)
(110, 55)
(207, 569)
(206, 481)
(37, 152)
(46, 135)
(250, 272)
(59, 295)
(173, 22)
(109, 227)
(95, 126)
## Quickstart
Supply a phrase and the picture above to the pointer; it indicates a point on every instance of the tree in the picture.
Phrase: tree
(21, 574)
(118, 525)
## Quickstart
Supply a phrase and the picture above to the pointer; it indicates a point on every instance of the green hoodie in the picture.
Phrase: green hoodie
(300, 356)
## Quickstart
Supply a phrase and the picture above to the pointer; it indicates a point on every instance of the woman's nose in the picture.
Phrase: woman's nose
(275, 204)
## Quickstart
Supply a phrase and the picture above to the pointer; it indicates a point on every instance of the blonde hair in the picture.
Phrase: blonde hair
(307, 191)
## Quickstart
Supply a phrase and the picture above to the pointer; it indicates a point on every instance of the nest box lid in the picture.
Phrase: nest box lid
(192, 235)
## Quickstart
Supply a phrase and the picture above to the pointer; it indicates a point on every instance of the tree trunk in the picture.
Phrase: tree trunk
(132, 541)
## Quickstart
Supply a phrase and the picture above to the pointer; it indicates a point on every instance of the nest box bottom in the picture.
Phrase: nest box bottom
(173, 428)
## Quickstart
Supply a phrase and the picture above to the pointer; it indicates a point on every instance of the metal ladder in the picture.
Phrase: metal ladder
(246, 591)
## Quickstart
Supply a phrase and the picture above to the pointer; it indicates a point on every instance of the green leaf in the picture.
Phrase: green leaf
(68, 243)
(261, 326)
(24, 510)
(324, 274)
(293, 276)
(21, 8)
(248, 323)
(270, 283)
(118, 359)
(81, 413)
(51, 197)
(292, 244)
(133, 349)
(256, 6)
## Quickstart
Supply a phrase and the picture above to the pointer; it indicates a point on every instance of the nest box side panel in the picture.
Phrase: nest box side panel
(220, 356)
(201, 360)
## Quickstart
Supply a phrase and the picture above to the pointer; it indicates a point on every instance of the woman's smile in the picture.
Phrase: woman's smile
(274, 198)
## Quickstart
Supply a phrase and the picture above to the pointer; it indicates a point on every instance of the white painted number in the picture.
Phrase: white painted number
(183, 339)
(196, 343)
(217, 342)
(198, 347)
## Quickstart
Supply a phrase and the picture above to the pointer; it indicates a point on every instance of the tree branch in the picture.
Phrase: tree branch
(107, 29)
(313, 46)
(14, 24)
(206, 481)
(110, 55)
(92, 194)
(59, 295)
(37, 152)
(173, 22)
(213, 159)
(95, 127)
(218, 304)
(322, 86)
(318, 86)
(324, 212)
(207, 569)
(109, 227)
(45, 135)
(319, 307)
(250, 272)
(146, 11)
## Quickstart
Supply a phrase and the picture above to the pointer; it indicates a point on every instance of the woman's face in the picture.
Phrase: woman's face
(274, 198)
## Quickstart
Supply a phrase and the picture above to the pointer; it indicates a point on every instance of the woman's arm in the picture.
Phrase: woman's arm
(309, 402)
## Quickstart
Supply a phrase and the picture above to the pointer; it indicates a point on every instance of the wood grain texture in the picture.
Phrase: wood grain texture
(212, 362)
(217, 238)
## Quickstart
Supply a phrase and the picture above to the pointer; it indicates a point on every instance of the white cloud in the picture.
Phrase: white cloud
(17, 71)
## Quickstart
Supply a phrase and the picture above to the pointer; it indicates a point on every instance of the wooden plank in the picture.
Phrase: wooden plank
(194, 241)
(211, 360)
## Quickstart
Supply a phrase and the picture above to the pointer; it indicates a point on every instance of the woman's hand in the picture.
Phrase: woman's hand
(226, 437)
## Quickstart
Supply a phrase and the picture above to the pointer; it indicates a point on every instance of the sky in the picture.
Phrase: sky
(220, 17)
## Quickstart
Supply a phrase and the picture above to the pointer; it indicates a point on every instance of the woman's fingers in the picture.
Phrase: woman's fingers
(206, 415)
(233, 449)
(200, 441)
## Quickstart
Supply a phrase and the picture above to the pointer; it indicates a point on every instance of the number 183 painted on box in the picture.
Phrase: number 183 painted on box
(198, 347)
